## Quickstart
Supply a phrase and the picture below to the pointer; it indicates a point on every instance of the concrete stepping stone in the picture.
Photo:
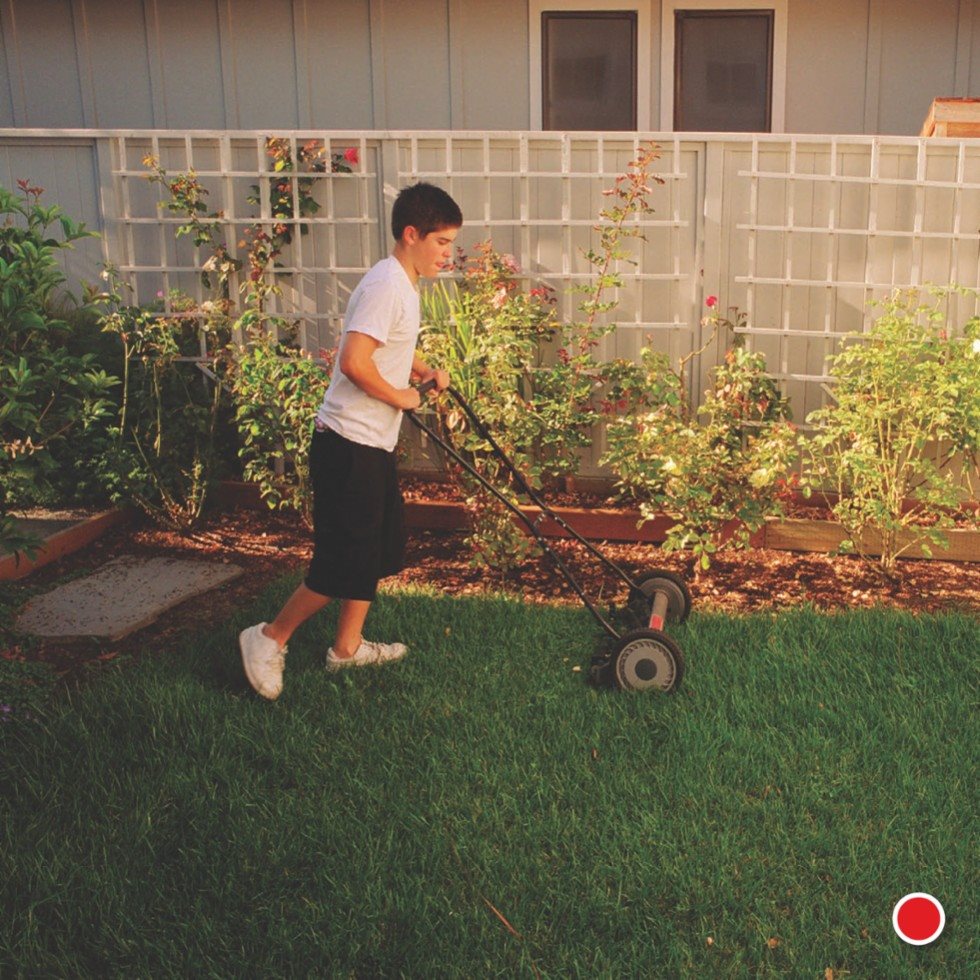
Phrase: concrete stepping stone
(121, 597)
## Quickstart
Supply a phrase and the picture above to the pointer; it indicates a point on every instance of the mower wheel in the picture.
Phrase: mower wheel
(675, 588)
(646, 660)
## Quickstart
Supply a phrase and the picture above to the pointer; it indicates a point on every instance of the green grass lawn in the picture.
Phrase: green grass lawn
(479, 810)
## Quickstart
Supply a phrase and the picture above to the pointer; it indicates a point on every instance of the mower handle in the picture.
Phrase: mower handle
(423, 389)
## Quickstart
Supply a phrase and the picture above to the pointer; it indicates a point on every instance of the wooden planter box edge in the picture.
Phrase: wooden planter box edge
(62, 543)
(789, 534)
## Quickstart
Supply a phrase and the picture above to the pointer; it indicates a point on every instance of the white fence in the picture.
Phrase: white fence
(798, 231)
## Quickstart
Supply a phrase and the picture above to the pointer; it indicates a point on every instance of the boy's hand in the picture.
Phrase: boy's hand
(441, 378)
(411, 399)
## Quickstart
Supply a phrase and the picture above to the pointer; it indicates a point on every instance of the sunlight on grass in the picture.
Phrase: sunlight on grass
(479, 809)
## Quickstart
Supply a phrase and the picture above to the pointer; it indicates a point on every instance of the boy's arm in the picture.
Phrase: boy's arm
(357, 363)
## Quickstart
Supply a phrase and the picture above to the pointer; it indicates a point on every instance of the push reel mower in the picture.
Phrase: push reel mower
(640, 658)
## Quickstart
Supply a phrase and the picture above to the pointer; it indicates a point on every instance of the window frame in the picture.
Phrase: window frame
(668, 50)
(641, 10)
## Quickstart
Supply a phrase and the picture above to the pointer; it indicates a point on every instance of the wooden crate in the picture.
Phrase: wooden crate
(953, 117)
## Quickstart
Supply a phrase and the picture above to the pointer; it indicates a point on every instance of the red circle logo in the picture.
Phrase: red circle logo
(918, 918)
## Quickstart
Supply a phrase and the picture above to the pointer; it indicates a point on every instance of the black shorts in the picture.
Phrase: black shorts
(358, 517)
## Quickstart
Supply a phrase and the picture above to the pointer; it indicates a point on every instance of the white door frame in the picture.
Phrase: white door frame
(668, 47)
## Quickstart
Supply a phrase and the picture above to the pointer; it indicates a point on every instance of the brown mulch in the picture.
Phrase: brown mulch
(269, 544)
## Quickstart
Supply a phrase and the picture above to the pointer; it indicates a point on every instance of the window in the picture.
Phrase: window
(588, 70)
(723, 70)
(590, 64)
(723, 65)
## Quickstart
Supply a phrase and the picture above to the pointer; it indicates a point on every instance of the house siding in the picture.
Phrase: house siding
(412, 82)
(336, 62)
(186, 65)
(113, 58)
(854, 66)
(826, 94)
(918, 62)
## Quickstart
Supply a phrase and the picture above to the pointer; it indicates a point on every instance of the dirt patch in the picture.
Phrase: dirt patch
(267, 545)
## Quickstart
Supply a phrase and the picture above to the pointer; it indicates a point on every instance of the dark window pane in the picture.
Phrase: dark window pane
(589, 65)
(723, 71)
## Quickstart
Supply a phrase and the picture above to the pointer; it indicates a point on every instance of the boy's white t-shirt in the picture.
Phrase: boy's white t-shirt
(385, 306)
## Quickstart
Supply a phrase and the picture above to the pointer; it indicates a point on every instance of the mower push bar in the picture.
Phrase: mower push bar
(525, 487)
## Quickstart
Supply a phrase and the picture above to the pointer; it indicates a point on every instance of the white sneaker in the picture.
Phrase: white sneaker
(368, 653)
(263, 660)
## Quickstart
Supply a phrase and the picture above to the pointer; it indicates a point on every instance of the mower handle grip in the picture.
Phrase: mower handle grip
(423, 389)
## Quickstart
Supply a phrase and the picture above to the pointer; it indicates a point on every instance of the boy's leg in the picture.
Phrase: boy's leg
(353, 613)
(350, 649)
(302, 604)
(386, 557)
(263, 646)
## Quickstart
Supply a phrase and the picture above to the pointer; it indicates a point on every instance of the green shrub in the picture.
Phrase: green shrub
(486, 332)
(161, 452)
(906, 402)
(52, 397)
(276, 392)
(726, 461)
(494, 337)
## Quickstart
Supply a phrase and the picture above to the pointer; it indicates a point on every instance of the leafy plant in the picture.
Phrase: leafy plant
(486, 331)
(277, 391)
(707, 467)
(163, 455)
(567, 391)
(906, 403)
(48, 394)
(492, 335)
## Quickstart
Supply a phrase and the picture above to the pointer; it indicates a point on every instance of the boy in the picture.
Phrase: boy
(358, 528)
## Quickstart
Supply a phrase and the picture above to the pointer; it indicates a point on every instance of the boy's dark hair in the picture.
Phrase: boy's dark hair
(426, 208)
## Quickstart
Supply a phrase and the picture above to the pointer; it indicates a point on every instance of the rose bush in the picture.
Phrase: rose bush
(264, 388)
(717, 470)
